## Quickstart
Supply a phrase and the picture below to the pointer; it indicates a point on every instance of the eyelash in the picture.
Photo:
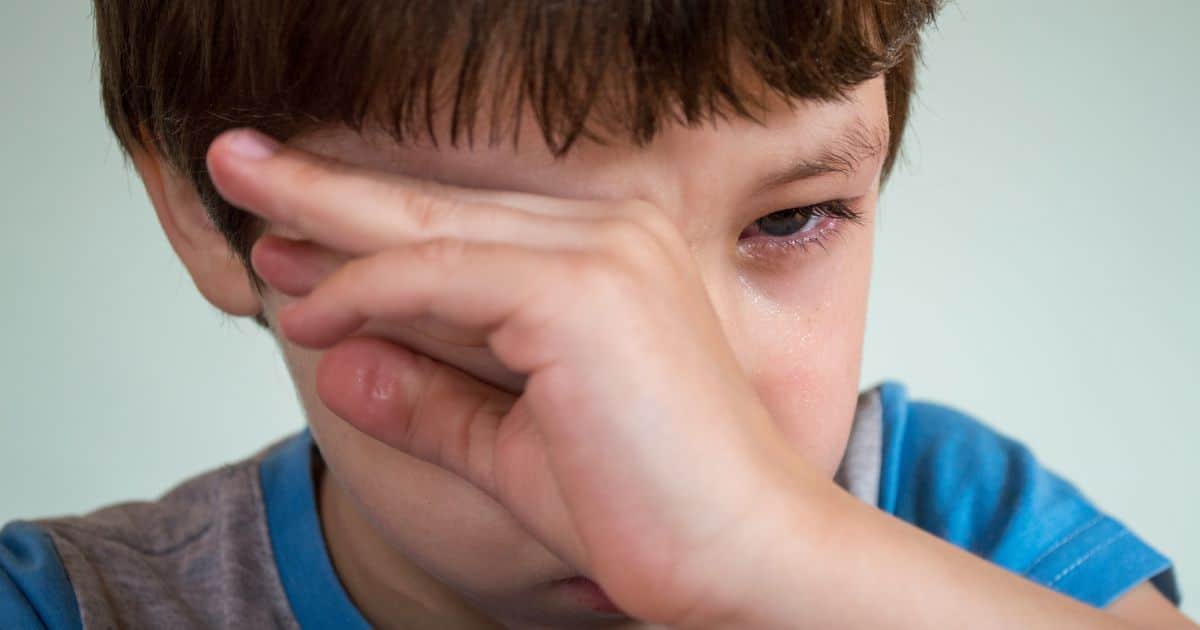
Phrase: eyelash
(836, 212)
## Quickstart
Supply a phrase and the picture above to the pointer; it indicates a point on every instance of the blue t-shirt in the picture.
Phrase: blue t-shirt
(954, 477)
(938, 469)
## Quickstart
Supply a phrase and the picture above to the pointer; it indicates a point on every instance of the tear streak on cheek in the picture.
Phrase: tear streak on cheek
(793, 326)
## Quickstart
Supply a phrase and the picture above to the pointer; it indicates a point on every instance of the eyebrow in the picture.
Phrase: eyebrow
(859, 143)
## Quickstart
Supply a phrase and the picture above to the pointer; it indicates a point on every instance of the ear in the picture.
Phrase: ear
(215, 269)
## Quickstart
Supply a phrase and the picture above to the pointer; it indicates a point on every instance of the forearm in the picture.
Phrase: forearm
(846, 564)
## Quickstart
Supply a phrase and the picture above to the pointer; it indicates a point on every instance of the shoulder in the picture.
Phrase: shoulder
(194, 557)
(954, 476)
(937, 458)
(34, 589)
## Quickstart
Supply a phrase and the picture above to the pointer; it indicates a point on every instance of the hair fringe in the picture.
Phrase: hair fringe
(174, 75)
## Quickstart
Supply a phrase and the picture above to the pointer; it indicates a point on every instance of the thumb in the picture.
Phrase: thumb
(440, 414)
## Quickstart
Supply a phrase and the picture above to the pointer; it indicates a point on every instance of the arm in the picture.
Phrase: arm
(1145, 607)
(876, 571)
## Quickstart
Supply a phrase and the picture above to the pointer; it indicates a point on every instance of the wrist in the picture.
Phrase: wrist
(775, 577)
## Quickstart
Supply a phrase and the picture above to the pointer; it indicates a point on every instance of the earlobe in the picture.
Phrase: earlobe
(217, 272)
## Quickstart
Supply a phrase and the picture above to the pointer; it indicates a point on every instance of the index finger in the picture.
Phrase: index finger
(358, 210)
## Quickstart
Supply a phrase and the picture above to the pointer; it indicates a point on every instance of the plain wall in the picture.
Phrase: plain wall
(1036, 267)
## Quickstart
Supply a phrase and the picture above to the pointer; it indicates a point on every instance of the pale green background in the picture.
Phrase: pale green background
(1036, 266)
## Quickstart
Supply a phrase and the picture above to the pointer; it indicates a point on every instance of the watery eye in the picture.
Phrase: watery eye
(787, 222)
(786, 233)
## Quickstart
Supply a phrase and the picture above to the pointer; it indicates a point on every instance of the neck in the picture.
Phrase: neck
(388, 590)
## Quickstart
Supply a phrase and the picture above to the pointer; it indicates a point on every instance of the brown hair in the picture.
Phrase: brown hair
(183, 72)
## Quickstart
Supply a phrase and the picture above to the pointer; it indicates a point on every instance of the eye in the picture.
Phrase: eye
(788, 222)
(792, 229)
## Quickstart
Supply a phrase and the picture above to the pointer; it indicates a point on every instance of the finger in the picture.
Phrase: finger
(359, 210)
(466, 284)
(464, 349)
(482, 434)
(296, 267)
(292, 267)
(375, 385)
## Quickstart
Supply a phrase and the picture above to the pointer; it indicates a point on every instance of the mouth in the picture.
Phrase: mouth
(589, 594)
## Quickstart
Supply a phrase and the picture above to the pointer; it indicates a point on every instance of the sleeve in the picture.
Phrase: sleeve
(34, 589)
(954, 477)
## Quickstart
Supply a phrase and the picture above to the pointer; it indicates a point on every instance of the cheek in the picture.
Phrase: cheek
(800, 341)
(812, 399)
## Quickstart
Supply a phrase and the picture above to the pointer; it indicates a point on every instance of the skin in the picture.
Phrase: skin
(468, 352)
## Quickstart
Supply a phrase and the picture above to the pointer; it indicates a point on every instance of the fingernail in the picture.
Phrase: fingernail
(252, 145)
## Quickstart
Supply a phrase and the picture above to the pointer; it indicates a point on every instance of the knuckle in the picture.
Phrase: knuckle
(646, 215)
(429, 212)
(629, 240)
(619, 233)
(420, 208)
(637, 208)
(655, 222)
(658, 234)
(598, 274)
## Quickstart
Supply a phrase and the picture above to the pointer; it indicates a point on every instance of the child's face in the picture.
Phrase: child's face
(794, 317)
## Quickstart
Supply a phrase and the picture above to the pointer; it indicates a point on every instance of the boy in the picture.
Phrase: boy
(618, 337)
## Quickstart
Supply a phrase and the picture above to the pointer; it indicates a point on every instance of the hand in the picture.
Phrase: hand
(637, 450)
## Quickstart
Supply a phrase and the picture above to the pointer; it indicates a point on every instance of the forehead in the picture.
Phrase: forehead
(724, 149)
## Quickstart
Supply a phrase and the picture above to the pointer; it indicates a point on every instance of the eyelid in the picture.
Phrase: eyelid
(769, 251)
(838, 208)
(834, 208)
